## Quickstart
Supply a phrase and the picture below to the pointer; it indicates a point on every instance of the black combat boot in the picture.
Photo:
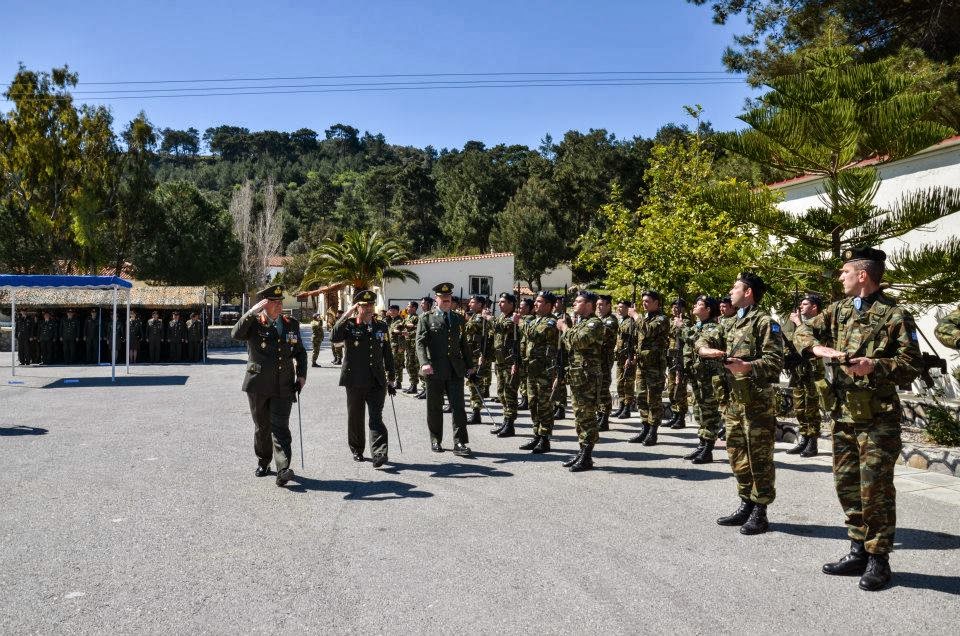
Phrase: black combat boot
(530, 444)
(801, 444)
(757, 523)
(498, 427)
(475, 417)
(706, 455)
(811, 449)
(878, 573)
(625, 412)
(603, 422)
(523, 404)
(560, 413)
(585, 461)
(422, 393)
(673, 418)
(740, 516)
(507, 430)
(651, 438)
(617, 413)
(853, 563)
(722, 433)
(543, 445)
(642, 435)
(485, 393)
(573, 460)
(680, 421)
(699, 449)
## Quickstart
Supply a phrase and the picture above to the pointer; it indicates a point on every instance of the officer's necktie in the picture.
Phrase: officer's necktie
(446, 319)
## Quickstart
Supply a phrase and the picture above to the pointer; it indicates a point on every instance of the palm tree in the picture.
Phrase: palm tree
(361, 260)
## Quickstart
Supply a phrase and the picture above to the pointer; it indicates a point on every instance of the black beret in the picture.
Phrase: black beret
(754, 282)
(365, 297)
(863, 253)
(547, 296)
(587, 295)
(273, 292)
(397, 307)
(711, 303)
(679, 302)
(625, 301)
(727, 300)
(815, 299)
(443, 288)
(426, 300)
(606, 297)
(509, 297)
(414, 303)
(526, 302)
(652, 293)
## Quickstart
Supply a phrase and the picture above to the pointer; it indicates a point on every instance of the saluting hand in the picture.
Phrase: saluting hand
(260, 305)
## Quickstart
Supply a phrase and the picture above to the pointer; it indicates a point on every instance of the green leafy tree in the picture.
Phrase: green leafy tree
(361, 259)
(180, 142)
(414, 213)
(525, 227)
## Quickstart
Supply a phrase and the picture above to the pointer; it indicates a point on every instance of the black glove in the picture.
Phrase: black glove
(391, 388)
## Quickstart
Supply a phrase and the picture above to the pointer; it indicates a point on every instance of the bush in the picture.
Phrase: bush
(943, 427)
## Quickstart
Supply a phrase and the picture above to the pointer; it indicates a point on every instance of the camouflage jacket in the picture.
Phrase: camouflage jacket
(948, 329)
(754, 337)
(809, 368)
(611, 326)
(583, 344)
(540, 338)
(694, 364)
(506, 345)
(626, 339)
(653, 333)
(316, 329)
(479, 336)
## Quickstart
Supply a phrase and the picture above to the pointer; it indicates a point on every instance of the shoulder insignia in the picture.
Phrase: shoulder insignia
(551, 322)
(774, 327)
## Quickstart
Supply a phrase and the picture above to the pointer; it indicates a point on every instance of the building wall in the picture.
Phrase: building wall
(499, 269)
(557, 278)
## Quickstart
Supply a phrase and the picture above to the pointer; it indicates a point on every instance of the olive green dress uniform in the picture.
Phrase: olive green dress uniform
(805, 373)
(653, 332)
(367, 367)
(155, 338)
(70, 336)
(276, 359)
(91, 339)
(625, 350)
(867, 413)
(676, 393)
(410, 324)
(195, 339)
(611, 327)
(583, 345)
(136, 334)
(506, 347)
(48, 333)
(750, 411)
(444, 346)
(176, 338)
(480, 340)
(26, 327)
(541, 339)
(398, 345)
(705, 377)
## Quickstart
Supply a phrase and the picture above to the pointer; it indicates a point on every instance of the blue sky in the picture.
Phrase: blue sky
(164, 40)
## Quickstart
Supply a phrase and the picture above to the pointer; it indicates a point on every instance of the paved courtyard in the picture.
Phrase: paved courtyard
(134, 508)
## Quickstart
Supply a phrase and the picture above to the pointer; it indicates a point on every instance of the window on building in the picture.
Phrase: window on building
(482, 285)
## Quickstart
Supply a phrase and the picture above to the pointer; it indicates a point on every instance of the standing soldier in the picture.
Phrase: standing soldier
(676, 383)
(525, 311)
(540, 338)
(506, 351)
(316, 330)
(398, 344)
(136, 336)
(625, 356)
(367, 375)
(176, 337)
(24, 335)
(948, 329)
(71, 333)
(480, 341)
(752, 351)
(48, 335)
(91, 337)
(445, 361)
(560, 395)
(705, 377)
(335, 347)
(653, 332)
(728, 313)
(276, 371)
(583, 346)
(155, 336)
(805, 371)
(871, 344)
(610, 328)
(409, 329)
(195, 337)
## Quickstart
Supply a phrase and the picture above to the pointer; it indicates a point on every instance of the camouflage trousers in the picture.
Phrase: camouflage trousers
(560, 397)
(706, 405)
(650, 380)
(399, 360)
(539, 388)
(412, 363)
(586, 405)
(626, 378)
(864, 456)
(751, 430)
(485, 376)
(522, 380)
(806, 407)
(315, 343)
(507, 384)
(606, 376)
(676, 392)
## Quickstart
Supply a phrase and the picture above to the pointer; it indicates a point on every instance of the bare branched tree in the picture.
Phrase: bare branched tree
(259, 232)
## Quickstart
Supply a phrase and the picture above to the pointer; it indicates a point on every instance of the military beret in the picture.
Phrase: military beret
(863, 253)
(624, 301)
(397, 307)
(414, 303)
(587, 295)
(727, 300)
(711, 303)
(479, 298)
(508, 297)
(679, 302)
(606, 297)
(317, 315)
(815, 299)
(365, 297)
(273, 292)
(426, 300)
(443, 288)
(754, 282)
(547, 296)
(526, 302)
(652, 293)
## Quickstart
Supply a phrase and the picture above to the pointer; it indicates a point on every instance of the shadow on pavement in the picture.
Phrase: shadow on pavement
(455, 470)
(11, 431)
(228, 360)
(681, 473)
(127, 380)
(359, 490)
(933, 582)
(906, 538)
(804, 468)
(555, 455)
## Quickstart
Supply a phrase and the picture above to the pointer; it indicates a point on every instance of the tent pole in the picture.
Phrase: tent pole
(203, 323)
(128, 331)
(113, 339)
(99, 335)
(13, 331)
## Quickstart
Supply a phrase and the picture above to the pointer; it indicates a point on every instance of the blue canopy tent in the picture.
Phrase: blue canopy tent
(12, 282)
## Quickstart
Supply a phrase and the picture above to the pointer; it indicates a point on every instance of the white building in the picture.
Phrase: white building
(487, 274)
(938, 165)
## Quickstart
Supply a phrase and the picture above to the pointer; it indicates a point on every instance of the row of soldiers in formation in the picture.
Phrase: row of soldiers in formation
(68, 339)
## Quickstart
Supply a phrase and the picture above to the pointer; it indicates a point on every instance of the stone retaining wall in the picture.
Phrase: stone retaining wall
(218, 337)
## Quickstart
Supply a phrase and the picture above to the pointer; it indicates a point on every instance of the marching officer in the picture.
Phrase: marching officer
(276, 371)
(367, 374)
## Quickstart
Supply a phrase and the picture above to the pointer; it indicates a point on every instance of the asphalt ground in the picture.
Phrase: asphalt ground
(134, 509)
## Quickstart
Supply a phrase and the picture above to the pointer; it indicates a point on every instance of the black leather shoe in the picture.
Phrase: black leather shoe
(680, 421)
(422, 394)
(853, 563)
(706, 455)
(410, 390)
(651, 438)
(262, 471)
(284, 476)
(435, 446)
(475, 417)
(543, 445)
(740, 516)
(357, 456)
(642, 435)
(604, 423)
(507, 430)
(530, 444)
(811, 449)
(498, 427)
(722, 433)
(801, 444)
(573, 460)
(618, 411)
(585, 461)
(461, 450)
(878, 573)
(757, 523)
(447, 409)
(699, 449)
(379, 460)
(314, 364)
(560, 413)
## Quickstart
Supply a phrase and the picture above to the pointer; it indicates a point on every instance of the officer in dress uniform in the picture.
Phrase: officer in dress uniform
(367, 374)
(276, 371)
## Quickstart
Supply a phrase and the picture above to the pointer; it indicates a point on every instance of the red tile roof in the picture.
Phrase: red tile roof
(451, 259)
(278, 261)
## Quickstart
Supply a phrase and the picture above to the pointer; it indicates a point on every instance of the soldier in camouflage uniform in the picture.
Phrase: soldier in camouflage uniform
(506, 351)
(610, 328)
(728, 315)
(871, 343)
(752, 352)
(409, 330)
(525, 311)
(480, 339)
(948, 329)
(316, 330)
(397, 344)
(540, 339)
(704, 377)
(625, 356)
(560, 395)
(676, 385)
(653, 332)
(583, 350)
(805, 372)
